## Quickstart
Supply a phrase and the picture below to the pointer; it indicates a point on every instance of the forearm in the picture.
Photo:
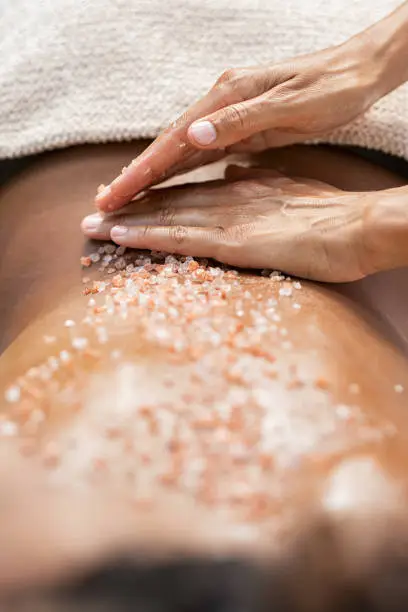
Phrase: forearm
(387, 44)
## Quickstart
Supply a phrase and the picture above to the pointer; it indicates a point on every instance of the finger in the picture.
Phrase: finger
(170, 150)
(166, 216)
(195, 241)
(236, 122)
(96, 227)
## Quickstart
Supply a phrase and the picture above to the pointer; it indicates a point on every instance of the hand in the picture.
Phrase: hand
(253, 109)
(257, 218)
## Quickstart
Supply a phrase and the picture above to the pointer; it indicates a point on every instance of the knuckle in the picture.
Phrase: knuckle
(237, 235)
(235, 82)
(167, 215)
(178, 234)
(228, 76)
(236, 114)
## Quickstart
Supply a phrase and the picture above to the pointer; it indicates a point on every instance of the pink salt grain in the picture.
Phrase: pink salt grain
(86, 262)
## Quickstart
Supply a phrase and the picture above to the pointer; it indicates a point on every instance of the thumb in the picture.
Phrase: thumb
(234, 123)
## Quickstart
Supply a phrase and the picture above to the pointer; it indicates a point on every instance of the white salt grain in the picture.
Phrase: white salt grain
(13, 394)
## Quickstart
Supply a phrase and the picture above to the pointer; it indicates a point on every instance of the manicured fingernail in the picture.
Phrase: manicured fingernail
(203, 132)
(102, 194)
(92, 222)
(119, 231)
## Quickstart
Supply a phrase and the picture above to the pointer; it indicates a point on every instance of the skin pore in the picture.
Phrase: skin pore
(242, 402)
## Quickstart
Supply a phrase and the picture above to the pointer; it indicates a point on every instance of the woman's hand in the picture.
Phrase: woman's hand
(257, 218)
(253, 109)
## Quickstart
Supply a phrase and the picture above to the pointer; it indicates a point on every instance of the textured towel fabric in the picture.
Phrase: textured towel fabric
(82, 71)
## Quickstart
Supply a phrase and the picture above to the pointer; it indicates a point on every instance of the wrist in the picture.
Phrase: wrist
(386, 229)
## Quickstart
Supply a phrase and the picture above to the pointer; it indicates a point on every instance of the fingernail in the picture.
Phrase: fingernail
(118, 231)
(203, 132)
(92, 222)
(102, 194)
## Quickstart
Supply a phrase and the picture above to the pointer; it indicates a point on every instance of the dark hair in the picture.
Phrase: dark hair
(311, 578)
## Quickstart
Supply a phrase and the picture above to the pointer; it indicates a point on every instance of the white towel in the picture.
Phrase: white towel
(87, 71)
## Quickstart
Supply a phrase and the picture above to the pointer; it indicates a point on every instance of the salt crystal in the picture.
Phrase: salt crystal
(123, 310)
(8, 429)
(79, 343)
(143, 299)
(110, 306)
(285, 291)
(398, 388)
(102, 335)
(69, 323)
(296, 306)
(95, 257)
(86, 262)
(49, 339)
(53, 363)
(92, 303)
(65, 357)
(120, 251)
(343, 411)
(297, 285)
(120, 264)
(109, 248)
(13, 394)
